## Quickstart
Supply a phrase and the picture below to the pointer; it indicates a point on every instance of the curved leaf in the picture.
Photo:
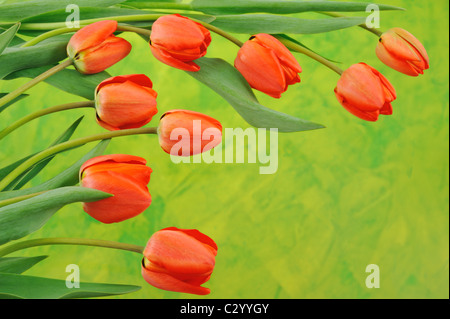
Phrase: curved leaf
(7, 36)
(20, 219)
(272, 24)
(18, 11)
(225, 80)
(280, 7)
(17, 265)
(47, 52)
(31, 287)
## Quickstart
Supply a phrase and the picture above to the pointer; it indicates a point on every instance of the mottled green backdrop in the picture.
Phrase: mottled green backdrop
(353, 194)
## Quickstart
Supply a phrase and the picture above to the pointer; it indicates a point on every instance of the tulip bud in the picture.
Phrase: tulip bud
(179, 260)
(178, 41)
(267, 65)
(401, 51)
(125, 102)
(125, 177)
(94, 48)
(365, 92)
(186, 133)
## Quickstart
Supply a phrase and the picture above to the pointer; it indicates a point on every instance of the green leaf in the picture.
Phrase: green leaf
(68, 177)
(217, 7)
(3, 107)
(31, 287)
(272, 24)
(20, 219)
(7, 36)
(47, 52)
(33, 171)
(86, 13)
(68, 80)
(225, 80)
(17, 265)
(18, 11)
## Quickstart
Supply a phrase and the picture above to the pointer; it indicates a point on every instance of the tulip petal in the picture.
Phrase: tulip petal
(164, 57)
(91, 36)
(394, 63)
(98, 59)
(367, 116)
(178, 252)
(197, 235)
(140, 79)
(261, 68)
(125, 105)
(283, 53)
(167, 282)
(413, 41)
(129, 200)
(177, 33)
(115, 158)
(362, 88)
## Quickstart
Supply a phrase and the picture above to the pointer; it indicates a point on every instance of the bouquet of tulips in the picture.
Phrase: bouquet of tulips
(36, 43)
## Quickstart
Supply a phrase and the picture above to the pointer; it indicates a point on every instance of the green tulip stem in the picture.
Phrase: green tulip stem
(16, 93)
(47, 35)
(375, 31)
(69, 241)
(220, 32)
(39, 113)
(300, 49)
(58, 28)
(69, 145)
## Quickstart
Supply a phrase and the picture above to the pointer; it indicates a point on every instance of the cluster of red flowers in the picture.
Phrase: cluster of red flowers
(182, 260)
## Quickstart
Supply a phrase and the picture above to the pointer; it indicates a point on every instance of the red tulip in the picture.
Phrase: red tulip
(178, 41)
(179, 260)
(401, 51)
(94, 48)
(267, 65)
(365, 92)
(186, 133)
(125, 177)
(124, 102)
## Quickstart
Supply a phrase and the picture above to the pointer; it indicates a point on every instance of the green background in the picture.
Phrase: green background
(350, 195)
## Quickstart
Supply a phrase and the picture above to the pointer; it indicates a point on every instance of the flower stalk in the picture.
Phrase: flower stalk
(69, 145)
(11, 96)
(300, 49)
(70, 241)
(39, 113)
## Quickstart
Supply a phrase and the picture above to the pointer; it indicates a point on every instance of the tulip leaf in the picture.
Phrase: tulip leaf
(272, 24)
(68, 177)
(47, 52)
(68, 80)
(18, 11)
(3, 107)
(86, 13)
(22, 218)
(225, 80)
(33, 171)
(17, 265)
(7, 36)
(30, 287)
(217, 7)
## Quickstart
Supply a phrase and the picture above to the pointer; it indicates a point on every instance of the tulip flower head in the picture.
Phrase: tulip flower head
(365, 92)
(179, 260)
(95, 48)
(177, 41)
(187, 133)
(123, 176)
(267, 65)
(125, 102)
(401, 51)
